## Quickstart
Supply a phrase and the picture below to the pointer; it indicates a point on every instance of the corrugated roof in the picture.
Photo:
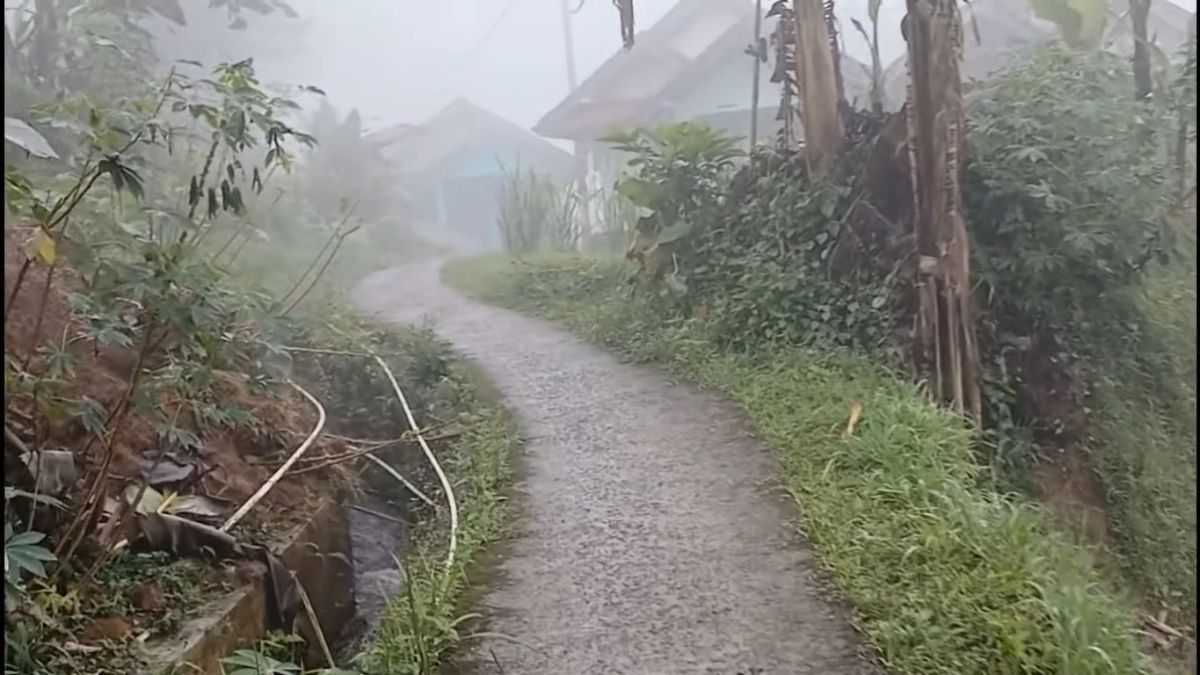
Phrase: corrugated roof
(632, 84)
(628, 81)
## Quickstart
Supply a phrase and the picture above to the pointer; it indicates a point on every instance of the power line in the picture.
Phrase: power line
(472, 57)
(495, 24)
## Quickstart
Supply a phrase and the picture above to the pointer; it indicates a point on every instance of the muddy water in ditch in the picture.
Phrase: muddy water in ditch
(375, 545)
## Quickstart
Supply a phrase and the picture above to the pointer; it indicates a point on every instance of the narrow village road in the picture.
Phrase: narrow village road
(652, 537)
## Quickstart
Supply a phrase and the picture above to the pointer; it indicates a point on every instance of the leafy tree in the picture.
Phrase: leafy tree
(346, 170)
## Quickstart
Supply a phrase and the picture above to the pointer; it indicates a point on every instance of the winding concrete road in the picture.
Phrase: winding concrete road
(652, 537)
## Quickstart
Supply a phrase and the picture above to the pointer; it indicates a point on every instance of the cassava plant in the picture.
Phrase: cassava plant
(145, 290)
(677, 174)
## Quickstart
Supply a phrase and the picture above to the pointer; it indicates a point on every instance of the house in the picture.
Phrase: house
(454, 164)
(691, 65)
(1008, 28)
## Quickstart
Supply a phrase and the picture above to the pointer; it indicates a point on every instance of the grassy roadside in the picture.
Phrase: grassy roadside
(1145, 443)
(945, 576)
(421, 625)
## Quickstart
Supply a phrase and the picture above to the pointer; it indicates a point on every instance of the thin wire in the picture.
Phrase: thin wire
(479, 44)
(471, 58)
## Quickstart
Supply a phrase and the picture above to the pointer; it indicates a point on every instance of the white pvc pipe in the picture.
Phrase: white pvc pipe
(279, 473)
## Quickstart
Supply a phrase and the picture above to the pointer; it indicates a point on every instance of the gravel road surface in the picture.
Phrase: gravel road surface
(652, 536)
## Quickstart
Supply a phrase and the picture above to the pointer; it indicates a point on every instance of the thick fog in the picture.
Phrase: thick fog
(400, 60)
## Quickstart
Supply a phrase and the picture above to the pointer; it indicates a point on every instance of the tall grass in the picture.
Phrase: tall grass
(945, 577)
(617, 217)
(423, 624)
(1144, 439)
(538, 214)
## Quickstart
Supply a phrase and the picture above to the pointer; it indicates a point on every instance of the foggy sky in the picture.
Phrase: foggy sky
(400, 60)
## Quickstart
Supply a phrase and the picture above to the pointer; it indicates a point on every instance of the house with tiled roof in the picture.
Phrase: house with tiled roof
(453, 167)
(693, 64)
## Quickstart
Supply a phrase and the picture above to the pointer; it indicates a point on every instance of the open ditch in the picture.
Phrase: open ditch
(156, 584)
(345, 557)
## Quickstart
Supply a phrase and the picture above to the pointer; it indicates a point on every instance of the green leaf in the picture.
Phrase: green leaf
(250, 662)
(123, 176)
(22, 554)
(640, 192)
(12, 493)
(1080, 22)
(672, 233)
(873, 10)
(27, 138)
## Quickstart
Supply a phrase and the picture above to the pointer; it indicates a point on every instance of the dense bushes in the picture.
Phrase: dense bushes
(1067, 189)
(749, 253)
(1071, 185)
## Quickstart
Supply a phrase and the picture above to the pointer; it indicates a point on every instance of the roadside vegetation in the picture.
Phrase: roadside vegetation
(178, 237)
(475, 444)
(1057, 533)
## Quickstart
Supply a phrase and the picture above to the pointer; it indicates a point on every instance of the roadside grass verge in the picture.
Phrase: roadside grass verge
(1144, 441)
(426, 621)
(946, 577)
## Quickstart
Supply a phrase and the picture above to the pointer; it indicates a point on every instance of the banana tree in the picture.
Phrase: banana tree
(876, 72)
(820, 91)
(945, 347)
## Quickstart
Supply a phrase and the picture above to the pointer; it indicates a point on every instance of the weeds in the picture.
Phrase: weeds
(421, 626)
(538, 214)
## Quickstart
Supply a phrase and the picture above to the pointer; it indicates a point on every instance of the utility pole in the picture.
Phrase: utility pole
(581, 149)
(569, 43)
(756, 50)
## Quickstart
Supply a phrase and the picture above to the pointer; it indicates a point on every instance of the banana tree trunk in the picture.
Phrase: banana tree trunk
(946, 350)
(1143, 81)
(816, 75)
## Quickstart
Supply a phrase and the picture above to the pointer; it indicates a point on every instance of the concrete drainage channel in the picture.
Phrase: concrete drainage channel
(345, 559)
(339, 568)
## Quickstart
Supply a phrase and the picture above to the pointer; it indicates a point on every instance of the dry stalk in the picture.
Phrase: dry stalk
(316, 625)
(416, 429)
(404, 481)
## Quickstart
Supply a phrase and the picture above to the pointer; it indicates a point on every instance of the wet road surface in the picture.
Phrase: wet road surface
(652, 536)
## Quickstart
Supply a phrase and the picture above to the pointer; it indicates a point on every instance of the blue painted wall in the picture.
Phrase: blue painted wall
(484, 161)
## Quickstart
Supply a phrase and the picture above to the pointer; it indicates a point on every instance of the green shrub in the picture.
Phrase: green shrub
(749, 251)
(1070, 183)
(1067, 185)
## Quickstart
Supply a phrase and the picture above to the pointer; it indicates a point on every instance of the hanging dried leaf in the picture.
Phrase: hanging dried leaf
(856, 410)
(44, 248)
(53, 472)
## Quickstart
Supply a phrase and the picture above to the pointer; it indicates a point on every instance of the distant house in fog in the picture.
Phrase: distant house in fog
(691, 65)
(453, 166)
(1008, 29)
